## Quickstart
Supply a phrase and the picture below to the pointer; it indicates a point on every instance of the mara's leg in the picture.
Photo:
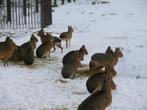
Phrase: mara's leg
(49, 53)
(69, 42)
(46, 54)
(54, 47)
(5, 62)
(113, 85)
(113, 71)
(60, 47)
(66, 43)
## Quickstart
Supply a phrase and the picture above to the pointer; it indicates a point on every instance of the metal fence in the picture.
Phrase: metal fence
(19, 14)
(26, 14)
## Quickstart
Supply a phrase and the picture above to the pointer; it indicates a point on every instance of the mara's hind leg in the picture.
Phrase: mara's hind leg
(60, 47)
(54, 47)
(5, 62)
(113, 85)
(69, 42)
(45, 54)
(49, 53)
(113, 71)
(66, 43)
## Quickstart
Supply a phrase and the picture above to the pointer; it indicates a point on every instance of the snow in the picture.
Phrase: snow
(120, 23)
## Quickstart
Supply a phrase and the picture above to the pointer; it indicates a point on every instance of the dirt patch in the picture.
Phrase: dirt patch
(38, 62)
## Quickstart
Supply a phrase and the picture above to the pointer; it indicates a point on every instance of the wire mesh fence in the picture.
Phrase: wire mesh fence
(19, 14)
(26, 14)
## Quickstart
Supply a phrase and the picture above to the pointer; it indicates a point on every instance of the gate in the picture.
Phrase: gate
(25, 14)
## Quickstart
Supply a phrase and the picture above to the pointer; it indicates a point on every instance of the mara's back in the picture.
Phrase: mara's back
(67, 35)
(103, 58)
(94, 102)
(70, 56)
(29, 56)
(56, 39)
(40, 51)
(7, 49)
(99, 100)
(25, 45)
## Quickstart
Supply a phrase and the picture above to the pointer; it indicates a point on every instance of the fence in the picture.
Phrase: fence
(19, 14)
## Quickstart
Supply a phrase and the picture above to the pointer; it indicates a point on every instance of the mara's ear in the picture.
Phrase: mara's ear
(119, 52)
(48, 35)
(109, 47)
(32, 35)
(8, 37)
(121, 48)
(83, 46)
(109, 50)
(117, 49)
(69, 26)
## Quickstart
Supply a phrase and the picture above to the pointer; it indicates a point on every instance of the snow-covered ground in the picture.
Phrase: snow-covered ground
(120, 23)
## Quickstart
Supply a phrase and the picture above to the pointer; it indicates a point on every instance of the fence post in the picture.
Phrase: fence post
(46, 13)
(55, 3)
(1, 2)
(62, 2)
(9, 10)
(37, 6)
(24, 8)
(69, 1)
